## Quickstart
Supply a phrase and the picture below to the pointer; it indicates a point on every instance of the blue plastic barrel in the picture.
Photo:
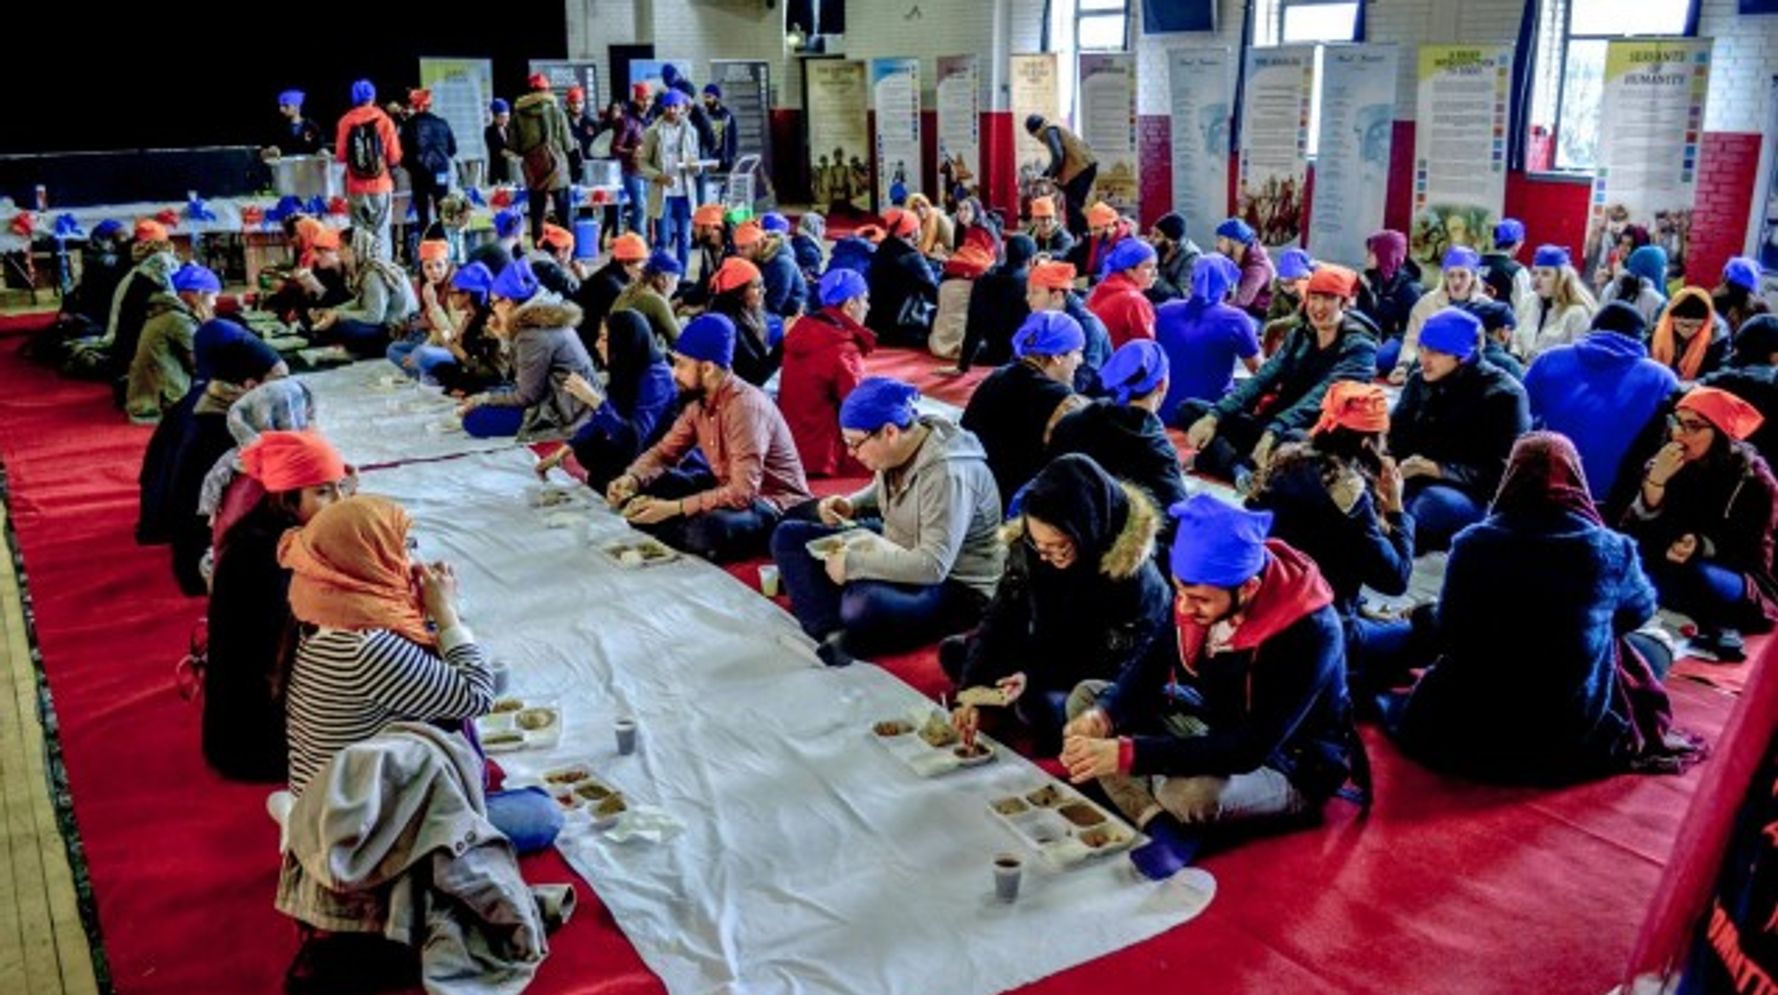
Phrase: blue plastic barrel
(586, 238)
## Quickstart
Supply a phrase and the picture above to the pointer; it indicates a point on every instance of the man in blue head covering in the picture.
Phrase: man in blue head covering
(1123, 432)
(1014, 409)
(1204, 335)
(1246, 718)
(1453, 428)
(1506, 279)
(295, 134)
(726, 512)
(669, 162)
(938, 557)
(651, 296)
(160, 371)
(497, 136)
(1237, 240)
(509, 231)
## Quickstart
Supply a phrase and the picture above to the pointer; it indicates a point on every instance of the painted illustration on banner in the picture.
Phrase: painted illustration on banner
(959, 128)
(1108, 126)
(1035, 90)
(1459, 148)
(839, 141)
(895, 93)
(1274, 142)
(1646, 181)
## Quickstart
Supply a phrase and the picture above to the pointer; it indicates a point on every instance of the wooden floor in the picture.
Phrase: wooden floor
(43, 948)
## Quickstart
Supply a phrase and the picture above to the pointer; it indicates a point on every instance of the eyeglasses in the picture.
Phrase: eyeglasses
(1061, 549)
(853, 445)
(1690, 426)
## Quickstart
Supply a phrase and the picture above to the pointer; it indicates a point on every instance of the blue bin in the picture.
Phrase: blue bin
(586, 238)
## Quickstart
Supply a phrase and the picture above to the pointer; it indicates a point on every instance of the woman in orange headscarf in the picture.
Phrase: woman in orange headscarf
(1689, 340)
(381, 641)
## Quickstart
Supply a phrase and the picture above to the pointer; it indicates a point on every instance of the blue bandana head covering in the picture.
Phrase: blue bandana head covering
(1650, 263)
(291, 98)
(1048, 333)
(1212, 275)
(108, 228)
(1510, 231)
(1126, 255)
(225, 351)
(1461, 257)
(1238, 230)
(1218, 544)
(499, 106)
(507, 223)
(1452, 330)
(194, 279)
(1743, 272)
(1295, 264)
(838, 286)
(474, 279)
(516, 282)
(663, 262)
(773, 221)
(673, 98)
(1550, 255)
(708, 338)
(879, 401)
(363, 92)
(1134, 370)
(713, 90)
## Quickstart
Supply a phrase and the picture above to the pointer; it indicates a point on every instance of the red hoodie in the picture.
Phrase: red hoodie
(1119, 303)
(391, 148)
(823, 360)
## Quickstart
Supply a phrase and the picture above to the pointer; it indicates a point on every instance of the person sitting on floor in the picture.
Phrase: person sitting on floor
(307, 289)
(1688, 339)
(1203, 337)
(1388, 289)
(296, 474)
(997, 307)
(823, 361)
(552, 262)
(509, 228)
(1120, 298)
(1642, 284)
(1236, 433)
(903, 289)
(1458, 286)
(809, 244)
(1175, 255)
(1245, 718)
(230, 362)
(1288, 288)
(152, 264)
(1506, 280)
(160, 374)
(600, 290)
(282, 405)
(1561, 307)
(382, 299)
(630, 413)
(938, 558)
(546, 351)
(973, 224)
(650, 297)
(1237, 241)
(726, 512)
(1123, 432)
(381, 640)
(956, 293)
(1047, 232)
(1050, 287)
(425, 345)
(1497, 334)
(785, 290)
(1338, 498)
(1606, 396)
(713, 242)
(1453, 428)
(856, 251)
(1737, 298)
(1081, 599)
(1013, 411)
(1752, 375)
(1106, 230)
(1706, 518)
(937, 233)
(738, 293)
(1583, 697)
(478, 361)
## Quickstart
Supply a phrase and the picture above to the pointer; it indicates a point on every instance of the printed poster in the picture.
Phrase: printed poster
(1275, 142)
(461, 91)
(1108, 126)
(564, 76)
(839, 142)
(1459, 148)
(1035, 90)
(1352, 155)
(959, 128)
(895, 92)
(1201, 87)
(747, 93)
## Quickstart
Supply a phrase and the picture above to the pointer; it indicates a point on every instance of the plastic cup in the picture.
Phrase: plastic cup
(768, 580)
(626, 736)
(1008, 868)
(502, 676)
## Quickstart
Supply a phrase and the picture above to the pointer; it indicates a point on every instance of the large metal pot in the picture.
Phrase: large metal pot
(605, 173)
(307, 176)
(471, 173)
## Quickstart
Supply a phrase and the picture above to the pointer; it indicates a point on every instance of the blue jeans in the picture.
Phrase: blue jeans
(876, 616)
(425, 357)
(361, 338)
(1440, 511)
(720, 535)
(1387, 354)
(1380, 653)
(675, 228)
(1715, 597)
(636, 192)
(492, 421)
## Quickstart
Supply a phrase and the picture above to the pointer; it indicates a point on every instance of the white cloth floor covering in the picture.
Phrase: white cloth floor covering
(376, 416)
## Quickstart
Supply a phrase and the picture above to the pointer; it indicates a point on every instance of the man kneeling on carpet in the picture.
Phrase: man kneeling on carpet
(938, 559)
(1248, 720)
(727, 511)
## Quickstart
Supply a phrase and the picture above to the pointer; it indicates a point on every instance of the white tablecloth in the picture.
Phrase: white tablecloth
(376, 416)
(809, 860)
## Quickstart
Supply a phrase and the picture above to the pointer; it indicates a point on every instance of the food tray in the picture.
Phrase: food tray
(546, 496)
(529, 726)
(1061, 825)
(577, 789)
(925, 742)
(828, 545)
(642, 552)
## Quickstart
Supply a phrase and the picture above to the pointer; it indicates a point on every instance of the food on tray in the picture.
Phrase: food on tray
(1010, 806)
(892, 727)
(1047, 796)
(550, 497)
(535, 719)
(1081, 814)
(506, 705)
(566, 800)
(501, 739)
(568, 775)
(974, 751)
(827, 546)
(611, 806)
(1102, 837)
(937, 732)
(982, 697)
(640, 553)
(593, 791)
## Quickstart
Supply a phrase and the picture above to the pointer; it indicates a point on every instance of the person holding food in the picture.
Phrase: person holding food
(939, 557)
(1081, 599)
(1246, 718)
(728, 511)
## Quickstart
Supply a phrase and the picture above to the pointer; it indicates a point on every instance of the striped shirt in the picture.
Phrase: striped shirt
(347, 684)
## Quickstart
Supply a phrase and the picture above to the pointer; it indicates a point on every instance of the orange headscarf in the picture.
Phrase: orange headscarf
(1728, 413)
(1361, 407)
(1051, 276)
(349, 569)
(1666, 343)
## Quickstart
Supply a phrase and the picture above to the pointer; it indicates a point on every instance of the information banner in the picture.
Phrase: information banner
(747, 93)
(959, 128)
(895, 92)
(1201, 87)
(1275, 141)
(461, 91)
(839, 141)
(1352, 155)
(564, 76)
(1108, 126)
(1459, 147)
(1035, 90)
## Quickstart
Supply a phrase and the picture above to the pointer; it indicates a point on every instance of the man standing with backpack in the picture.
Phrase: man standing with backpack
(429, 147)
(367, 143)
(540, 138)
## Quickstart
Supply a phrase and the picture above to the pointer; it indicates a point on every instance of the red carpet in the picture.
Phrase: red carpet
(1446, 887)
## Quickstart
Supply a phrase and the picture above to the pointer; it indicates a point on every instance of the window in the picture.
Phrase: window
(1570, 71)
(1307, 22)
(1101, 25)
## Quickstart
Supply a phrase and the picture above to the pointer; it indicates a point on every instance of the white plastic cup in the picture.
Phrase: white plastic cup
(1008, 867)
(626, 736)
(768, 580)
(502, 676)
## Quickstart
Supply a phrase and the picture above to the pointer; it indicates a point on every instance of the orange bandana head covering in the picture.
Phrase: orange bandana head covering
(434, 250)
(1361, 407)
(1731, 415)
(709, 214)
(1336, 280)
(1665, 343)
(749, 234)
(1051, 276)
(349, 569)
(733, 273)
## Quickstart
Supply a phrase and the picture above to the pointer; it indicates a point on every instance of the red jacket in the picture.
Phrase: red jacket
(823, 360)
(1122, 306)
(391, 148)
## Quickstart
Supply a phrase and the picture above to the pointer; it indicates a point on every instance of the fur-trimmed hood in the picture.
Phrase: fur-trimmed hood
(545, 310)
(1134, 545)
